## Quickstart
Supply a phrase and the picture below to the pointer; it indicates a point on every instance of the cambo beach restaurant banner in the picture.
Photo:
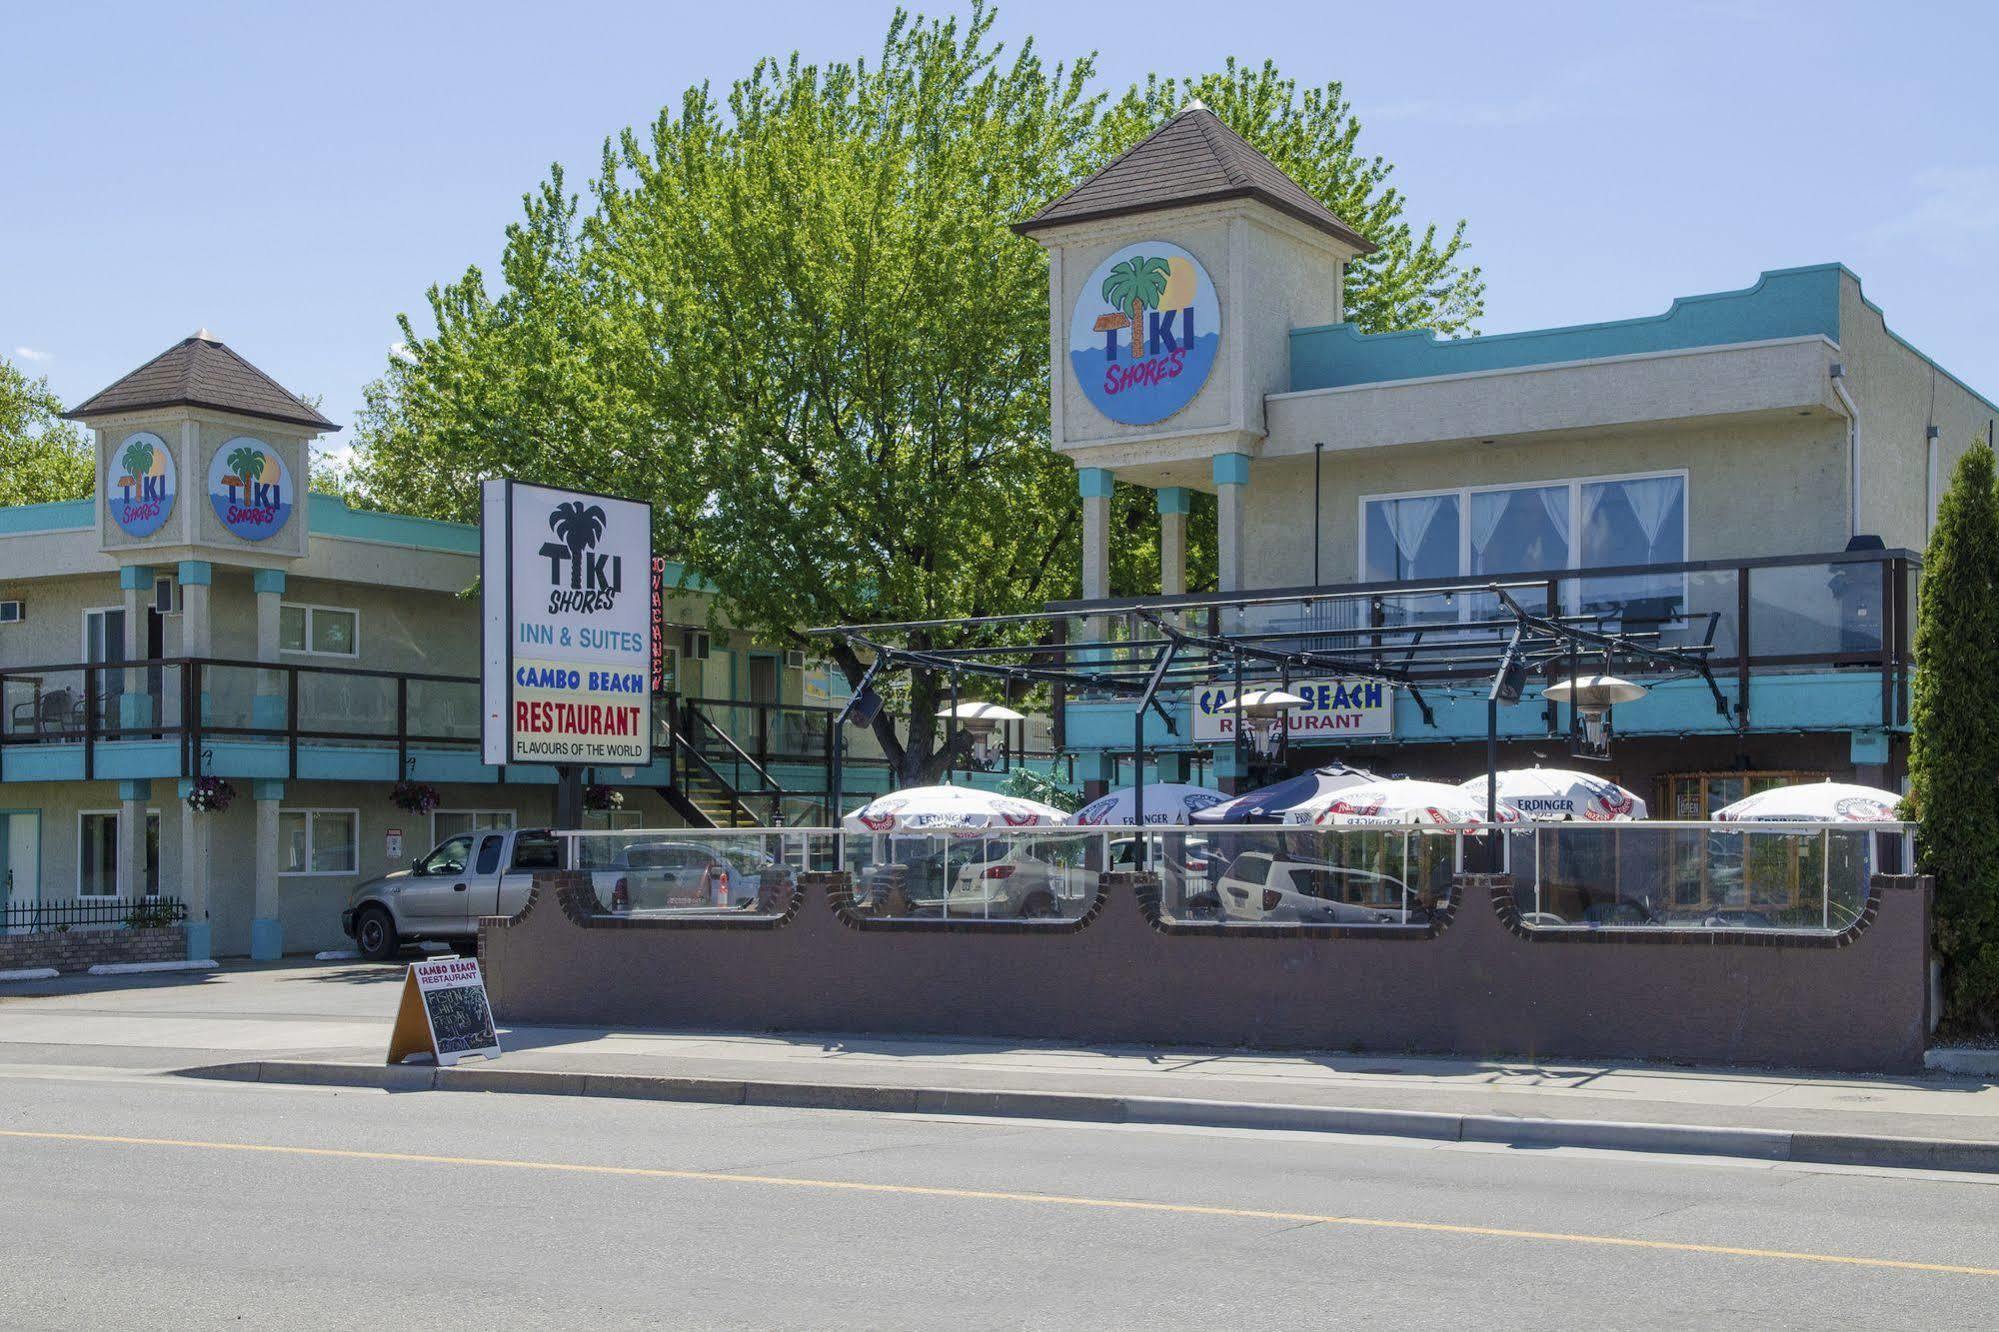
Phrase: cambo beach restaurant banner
(566, 626)
(1334, 710)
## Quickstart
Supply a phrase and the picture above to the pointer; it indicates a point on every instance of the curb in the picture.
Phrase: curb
(145, 968)
(1964, 1060)
(1857, 1149)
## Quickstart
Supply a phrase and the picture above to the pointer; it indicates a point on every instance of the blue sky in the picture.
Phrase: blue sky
(293, 177)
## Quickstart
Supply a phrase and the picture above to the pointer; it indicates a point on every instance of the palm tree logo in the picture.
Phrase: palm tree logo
(1137, 285)
(247, 463)
(577, 526)
(138, 460)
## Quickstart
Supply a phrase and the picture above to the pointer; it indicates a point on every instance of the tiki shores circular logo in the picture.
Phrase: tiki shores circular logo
(140, 484)
(251, 488)
(1143, 337)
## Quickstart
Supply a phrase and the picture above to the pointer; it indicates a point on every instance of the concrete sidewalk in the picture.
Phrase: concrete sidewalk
(329, 1023)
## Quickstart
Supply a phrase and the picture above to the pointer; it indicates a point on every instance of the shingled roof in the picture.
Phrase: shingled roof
(1193, 158)
(201, 371)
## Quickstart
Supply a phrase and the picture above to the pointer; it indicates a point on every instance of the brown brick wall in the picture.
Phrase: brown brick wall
(1470, 983)
(80, 949)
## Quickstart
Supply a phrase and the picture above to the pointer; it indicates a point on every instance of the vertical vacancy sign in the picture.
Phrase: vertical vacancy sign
(566, 612)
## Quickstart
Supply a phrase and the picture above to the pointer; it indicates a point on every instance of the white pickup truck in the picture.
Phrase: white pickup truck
(443, 895)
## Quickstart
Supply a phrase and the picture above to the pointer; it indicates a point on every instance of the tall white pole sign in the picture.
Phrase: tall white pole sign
(566, 626)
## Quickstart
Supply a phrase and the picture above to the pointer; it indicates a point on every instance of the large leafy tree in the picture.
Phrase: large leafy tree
(794, 317)
(1954, 748)
(43, 458)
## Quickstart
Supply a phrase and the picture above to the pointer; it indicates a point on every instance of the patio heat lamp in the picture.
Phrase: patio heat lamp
(1593, 696)
(983, 720)
(1262, 713)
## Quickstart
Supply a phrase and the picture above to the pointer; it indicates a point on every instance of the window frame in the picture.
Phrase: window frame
(311, 813)
(159, 869)
(309, 609)
(512, 821)
(1575, 486)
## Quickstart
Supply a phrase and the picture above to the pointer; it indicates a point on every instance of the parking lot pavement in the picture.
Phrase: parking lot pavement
(340, 1012)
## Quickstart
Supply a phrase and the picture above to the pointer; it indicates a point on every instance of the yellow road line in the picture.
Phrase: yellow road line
(1001, 1195)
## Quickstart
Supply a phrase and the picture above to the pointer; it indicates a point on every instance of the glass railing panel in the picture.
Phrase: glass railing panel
(342, 705)
(1244, 875)
(1019, 874)
(686, 873)
(1816, 609)
(444, 709)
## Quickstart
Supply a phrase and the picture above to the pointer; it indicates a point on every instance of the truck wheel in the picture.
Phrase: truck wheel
(375, 932)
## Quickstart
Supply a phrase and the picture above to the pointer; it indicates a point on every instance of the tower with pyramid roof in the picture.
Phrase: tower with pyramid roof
(1176, 274)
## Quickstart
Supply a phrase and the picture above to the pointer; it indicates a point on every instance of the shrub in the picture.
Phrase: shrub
(1954, 751)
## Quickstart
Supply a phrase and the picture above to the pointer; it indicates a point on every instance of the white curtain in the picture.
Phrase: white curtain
(1555, 503)
(1409, 520)
(1650, 502)
(1486, 512)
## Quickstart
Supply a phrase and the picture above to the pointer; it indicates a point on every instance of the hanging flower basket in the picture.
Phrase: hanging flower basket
(600, 796)
(415, 797)
(210, 795)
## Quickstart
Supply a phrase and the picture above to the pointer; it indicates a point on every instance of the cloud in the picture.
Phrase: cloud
(1468, 113)
(30, 354)
(401, 351)
(1949, 205)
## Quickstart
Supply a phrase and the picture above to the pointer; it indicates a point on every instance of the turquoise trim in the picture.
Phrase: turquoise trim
(1231, 469)
(195, 573)
(62, 516)
(131, 789)
(1784, 303)
(331, 516)
(1095, 482)
(1868, 747)
(1175, 499)
(199, 937)
(265, 788)
(135, 577)
(269, 580)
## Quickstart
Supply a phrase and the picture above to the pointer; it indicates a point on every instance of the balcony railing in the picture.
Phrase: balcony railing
(1848, 609)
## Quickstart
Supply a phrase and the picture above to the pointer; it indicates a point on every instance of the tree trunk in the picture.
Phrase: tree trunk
(1137, 329)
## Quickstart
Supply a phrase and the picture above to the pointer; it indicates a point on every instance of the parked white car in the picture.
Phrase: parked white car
(1018, 877)
(1260, 885)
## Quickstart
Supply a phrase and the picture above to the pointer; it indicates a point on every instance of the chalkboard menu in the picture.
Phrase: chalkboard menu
(444, 1013)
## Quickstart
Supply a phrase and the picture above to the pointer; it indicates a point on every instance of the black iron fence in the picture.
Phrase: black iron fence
(38, 917)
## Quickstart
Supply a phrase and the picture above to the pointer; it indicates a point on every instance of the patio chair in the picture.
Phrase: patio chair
(55, 712)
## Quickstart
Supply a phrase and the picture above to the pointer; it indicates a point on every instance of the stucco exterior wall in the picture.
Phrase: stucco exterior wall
(1901, 393)
(1737, 476)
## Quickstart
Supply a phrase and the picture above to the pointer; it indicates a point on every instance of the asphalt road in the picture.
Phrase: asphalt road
(138, 1200)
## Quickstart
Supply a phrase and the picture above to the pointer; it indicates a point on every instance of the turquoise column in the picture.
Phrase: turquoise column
(1231, 476)
(267, 711)
(267, 932)
(135, 705)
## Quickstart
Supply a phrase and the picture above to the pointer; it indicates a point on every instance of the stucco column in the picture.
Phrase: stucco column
(267, 934)
(1231, 474)
(196, 633)
(268, 710)
(135, 705)
(193, 888)
(133, 797)
(1095, 485)
(1175, 502)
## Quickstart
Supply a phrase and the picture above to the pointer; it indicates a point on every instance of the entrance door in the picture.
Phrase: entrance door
(20, 866)
(763, 679)
(104, 643)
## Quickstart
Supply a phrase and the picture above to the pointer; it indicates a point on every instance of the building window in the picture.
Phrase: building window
(318, 841)
(1493, 531)
(448, 823)
(97, 853)
(319, 631)
(12, 612)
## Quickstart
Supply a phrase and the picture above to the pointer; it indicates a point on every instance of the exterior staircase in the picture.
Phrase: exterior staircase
(715, 783)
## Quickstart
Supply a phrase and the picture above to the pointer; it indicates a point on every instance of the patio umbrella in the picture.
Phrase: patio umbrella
(1552, 795)
(1814, 802)
(1401, 800)
(947, 809)
(1268, 804)
(1165, 802)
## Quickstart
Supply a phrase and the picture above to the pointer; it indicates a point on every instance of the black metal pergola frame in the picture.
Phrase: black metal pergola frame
(1500, 652)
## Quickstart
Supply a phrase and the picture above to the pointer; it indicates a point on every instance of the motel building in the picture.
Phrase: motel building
(1749, 477)
(205, 616)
